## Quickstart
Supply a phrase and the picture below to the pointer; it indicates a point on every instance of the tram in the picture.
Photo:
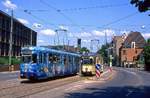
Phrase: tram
(88, 64)
(41, 63)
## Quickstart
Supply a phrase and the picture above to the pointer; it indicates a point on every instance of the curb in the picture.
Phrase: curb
(112, 72)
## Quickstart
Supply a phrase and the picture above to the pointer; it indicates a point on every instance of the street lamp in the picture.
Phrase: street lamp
(57, 30)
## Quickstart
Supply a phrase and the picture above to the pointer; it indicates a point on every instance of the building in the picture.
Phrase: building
(131, 52)
(21, 35)
(116, 44)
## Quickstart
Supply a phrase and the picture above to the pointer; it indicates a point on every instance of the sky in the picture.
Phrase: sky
(89, 20)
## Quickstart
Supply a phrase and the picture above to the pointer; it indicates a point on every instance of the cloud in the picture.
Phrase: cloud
(63, 27)
(109, 32)
(9, 4)
(146, 35)
(26, 22)
(86, 40)
(79, 35)
(40, 41)
(37, 25)
(98, 33)
(48, 32)
(125, 32)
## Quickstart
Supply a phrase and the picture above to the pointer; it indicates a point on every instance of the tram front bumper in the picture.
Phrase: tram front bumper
(28, 75)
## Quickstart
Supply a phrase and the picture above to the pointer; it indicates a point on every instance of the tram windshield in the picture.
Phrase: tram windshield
(29, 58)
(87, 61)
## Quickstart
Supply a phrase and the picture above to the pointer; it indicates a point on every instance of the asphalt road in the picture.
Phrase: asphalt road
(126, 83)
(8, 75)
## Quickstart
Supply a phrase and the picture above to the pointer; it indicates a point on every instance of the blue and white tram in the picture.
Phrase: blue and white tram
(42, 63)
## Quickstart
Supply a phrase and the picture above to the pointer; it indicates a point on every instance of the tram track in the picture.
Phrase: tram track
(27, 89)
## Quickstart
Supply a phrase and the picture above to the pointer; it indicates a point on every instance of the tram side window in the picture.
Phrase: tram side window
(65, 60)
(40, 58)
(55, 59)
(44, 57)
(50, 56)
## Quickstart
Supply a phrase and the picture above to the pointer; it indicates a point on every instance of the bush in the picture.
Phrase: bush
(5, 60)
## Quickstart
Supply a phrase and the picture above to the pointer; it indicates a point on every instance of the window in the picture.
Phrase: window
(34, 58)
(40, 58)
(136, 51)
(50, 58)
(88, 61)
(44, 57)
(133, 45)
(26, 58)
(124, 52)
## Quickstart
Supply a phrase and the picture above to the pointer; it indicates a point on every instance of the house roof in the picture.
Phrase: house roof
(134, 37)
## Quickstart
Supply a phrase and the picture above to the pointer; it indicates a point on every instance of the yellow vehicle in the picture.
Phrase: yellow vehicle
(89, 62)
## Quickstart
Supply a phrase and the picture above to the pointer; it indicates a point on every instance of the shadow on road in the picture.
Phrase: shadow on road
(113, 92)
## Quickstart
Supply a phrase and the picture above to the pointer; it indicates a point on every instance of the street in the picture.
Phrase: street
(8, 75)
(120, 83)
(126, 83)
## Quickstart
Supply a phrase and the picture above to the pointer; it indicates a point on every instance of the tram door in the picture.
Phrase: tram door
(50, 64)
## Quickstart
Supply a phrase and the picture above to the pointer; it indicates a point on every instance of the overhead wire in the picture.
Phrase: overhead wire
(79, 8)
(58, 11)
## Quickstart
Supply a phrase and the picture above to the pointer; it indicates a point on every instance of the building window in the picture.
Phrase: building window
(133, 45)
(136, 51)
(124, 52)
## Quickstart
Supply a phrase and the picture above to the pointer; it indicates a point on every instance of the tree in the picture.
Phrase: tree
(147, 55)
(84, 50)
(104, 53)
(143, 5)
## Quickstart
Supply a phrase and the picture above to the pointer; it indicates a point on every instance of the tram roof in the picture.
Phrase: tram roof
(43, 49)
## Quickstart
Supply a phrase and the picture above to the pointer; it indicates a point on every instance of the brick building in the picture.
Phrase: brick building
(132, 50)
(21, 35)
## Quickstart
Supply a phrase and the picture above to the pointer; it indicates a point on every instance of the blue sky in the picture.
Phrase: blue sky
(85, 19)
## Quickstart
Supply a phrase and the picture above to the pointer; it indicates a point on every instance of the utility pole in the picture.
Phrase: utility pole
(10, 40)
(105, 38)
(31, 38)
(57, 37)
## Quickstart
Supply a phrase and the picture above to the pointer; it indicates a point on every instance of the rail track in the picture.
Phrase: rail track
(26, 88)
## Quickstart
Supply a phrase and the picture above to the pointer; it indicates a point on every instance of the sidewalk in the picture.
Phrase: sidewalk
(106, 75)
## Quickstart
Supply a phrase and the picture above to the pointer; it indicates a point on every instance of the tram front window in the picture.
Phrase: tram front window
(29, 58)
(26, 58)
(88, 61)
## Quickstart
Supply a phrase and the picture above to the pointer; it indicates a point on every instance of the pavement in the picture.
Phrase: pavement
(8, 75)
(123, 83)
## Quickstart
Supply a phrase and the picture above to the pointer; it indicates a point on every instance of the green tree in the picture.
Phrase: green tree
(84, 50)
(143, 5)
(147, 55)
(104, 53)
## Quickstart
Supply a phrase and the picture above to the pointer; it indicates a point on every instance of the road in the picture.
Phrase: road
(125, 83)
(8, 75)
